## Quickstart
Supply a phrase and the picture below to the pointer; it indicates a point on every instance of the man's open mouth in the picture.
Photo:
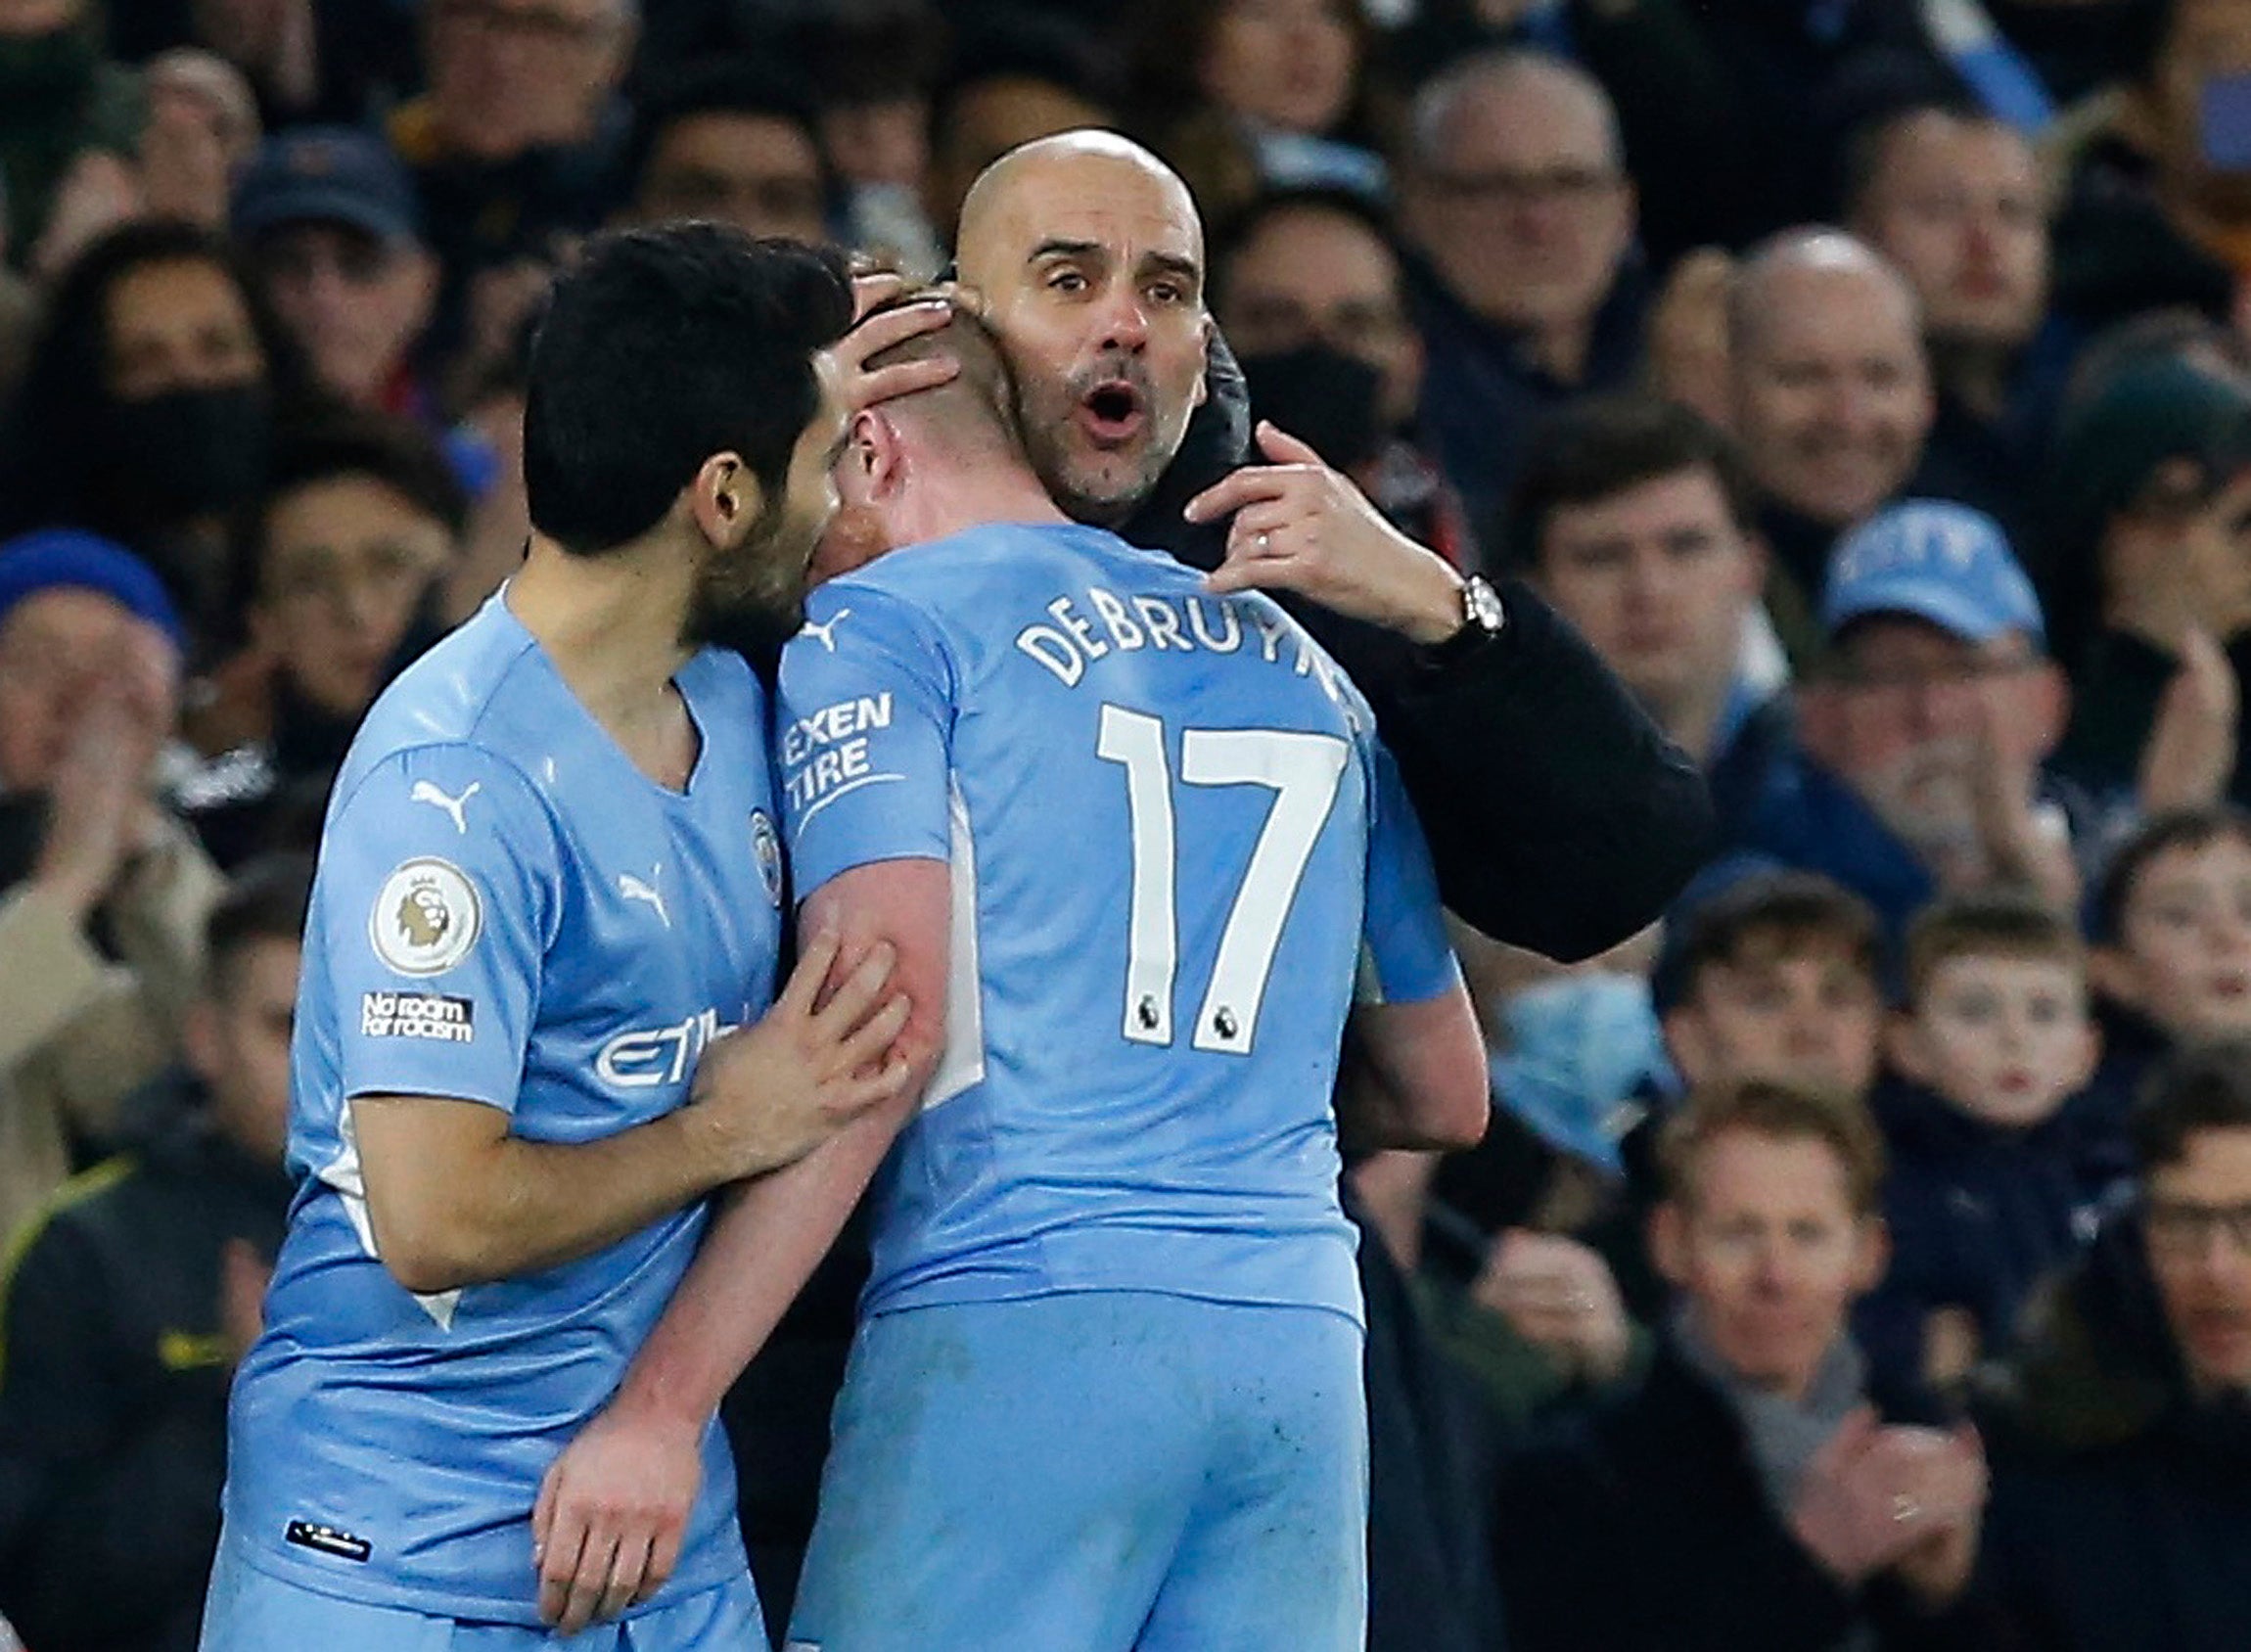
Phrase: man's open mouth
(1112, 412)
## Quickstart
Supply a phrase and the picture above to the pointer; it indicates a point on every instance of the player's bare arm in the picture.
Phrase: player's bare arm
(611, 1511)
(456, 1199)
(1425, 1069)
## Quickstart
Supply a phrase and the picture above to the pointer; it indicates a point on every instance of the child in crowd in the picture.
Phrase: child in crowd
(1994, 1180)
(2170, 920)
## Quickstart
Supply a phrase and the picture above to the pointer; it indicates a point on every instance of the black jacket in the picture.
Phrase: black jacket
(1430, 1588)
(2121, 1516)
(1979, 1218)
(1560, 818)
(114, 1393)
(1646, 1529)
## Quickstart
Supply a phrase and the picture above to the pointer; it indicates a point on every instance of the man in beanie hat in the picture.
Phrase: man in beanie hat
(102, 896)
(2153, 488)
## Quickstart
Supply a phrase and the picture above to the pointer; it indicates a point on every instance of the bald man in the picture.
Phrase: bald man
(1126, 840)
(1515, 196)
(1560, 818)
(1832, 390)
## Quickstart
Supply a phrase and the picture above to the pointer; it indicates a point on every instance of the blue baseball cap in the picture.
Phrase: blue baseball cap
(1580, 1049)
(1935, 561)
(70, 558)
(328, 175)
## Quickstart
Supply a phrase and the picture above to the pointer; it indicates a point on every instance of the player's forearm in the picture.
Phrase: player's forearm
(763, 1246)
(518, 1207)
(1426, 1083)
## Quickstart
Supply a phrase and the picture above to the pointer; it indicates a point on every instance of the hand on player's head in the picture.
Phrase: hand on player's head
(884, 323)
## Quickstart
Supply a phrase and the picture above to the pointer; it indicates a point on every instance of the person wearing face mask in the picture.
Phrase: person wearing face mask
(1308, 286)
(147, 408)
(59, 99)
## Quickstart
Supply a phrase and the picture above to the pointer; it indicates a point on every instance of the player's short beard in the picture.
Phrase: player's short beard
(760, 582)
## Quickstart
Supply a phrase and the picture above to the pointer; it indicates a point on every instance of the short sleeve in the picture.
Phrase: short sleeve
(1406, 956)
(864, 734)
(437, 895)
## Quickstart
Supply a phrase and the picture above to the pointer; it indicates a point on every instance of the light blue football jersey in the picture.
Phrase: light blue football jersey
(1175, 843)
(506, 911)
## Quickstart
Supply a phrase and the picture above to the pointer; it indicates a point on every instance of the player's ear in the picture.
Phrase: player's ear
(877, 458)
(725, 499)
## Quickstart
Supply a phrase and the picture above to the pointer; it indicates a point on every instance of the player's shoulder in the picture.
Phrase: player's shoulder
(463, 688)
(466, 706)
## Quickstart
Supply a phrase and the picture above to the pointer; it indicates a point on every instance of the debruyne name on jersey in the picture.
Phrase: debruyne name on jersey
(1212, 624)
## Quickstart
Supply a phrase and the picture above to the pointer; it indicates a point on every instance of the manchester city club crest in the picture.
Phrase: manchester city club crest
(426, 917)
(766, 849)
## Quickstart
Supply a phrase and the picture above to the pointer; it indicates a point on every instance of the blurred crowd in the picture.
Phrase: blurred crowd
(1861, 1259)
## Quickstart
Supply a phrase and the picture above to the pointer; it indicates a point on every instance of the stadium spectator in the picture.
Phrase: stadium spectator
(341, 566)
(101, 922)
(1015, 76)
(2158, 209)
(1243, 95)
(1832, 400)
(1997, 1179)
(2152, 481)
(1527, 287)
(1766, 975)
(728, 141)
(1954, 197)
(1308, 286)
(875, 64)
(305, 60)
(1775, 976)
(329, 221)
(134, 1296)
(1746, 1493)
(1636, 520)
(516, 148)
(1531, 1312)
(1922, 738)
(158, 360)
(202, 130)
(69, 128)
(2171, 962)
(2119, 1517)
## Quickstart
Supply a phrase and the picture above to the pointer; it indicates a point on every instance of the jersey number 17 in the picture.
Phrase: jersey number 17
(1303, 770)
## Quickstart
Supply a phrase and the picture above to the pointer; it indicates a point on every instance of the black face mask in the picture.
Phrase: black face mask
(194, 453)
(1324, 397)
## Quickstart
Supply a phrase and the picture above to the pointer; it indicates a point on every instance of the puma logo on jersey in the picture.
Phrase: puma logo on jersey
(425, 792)
(634, 888)
(825, 635)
